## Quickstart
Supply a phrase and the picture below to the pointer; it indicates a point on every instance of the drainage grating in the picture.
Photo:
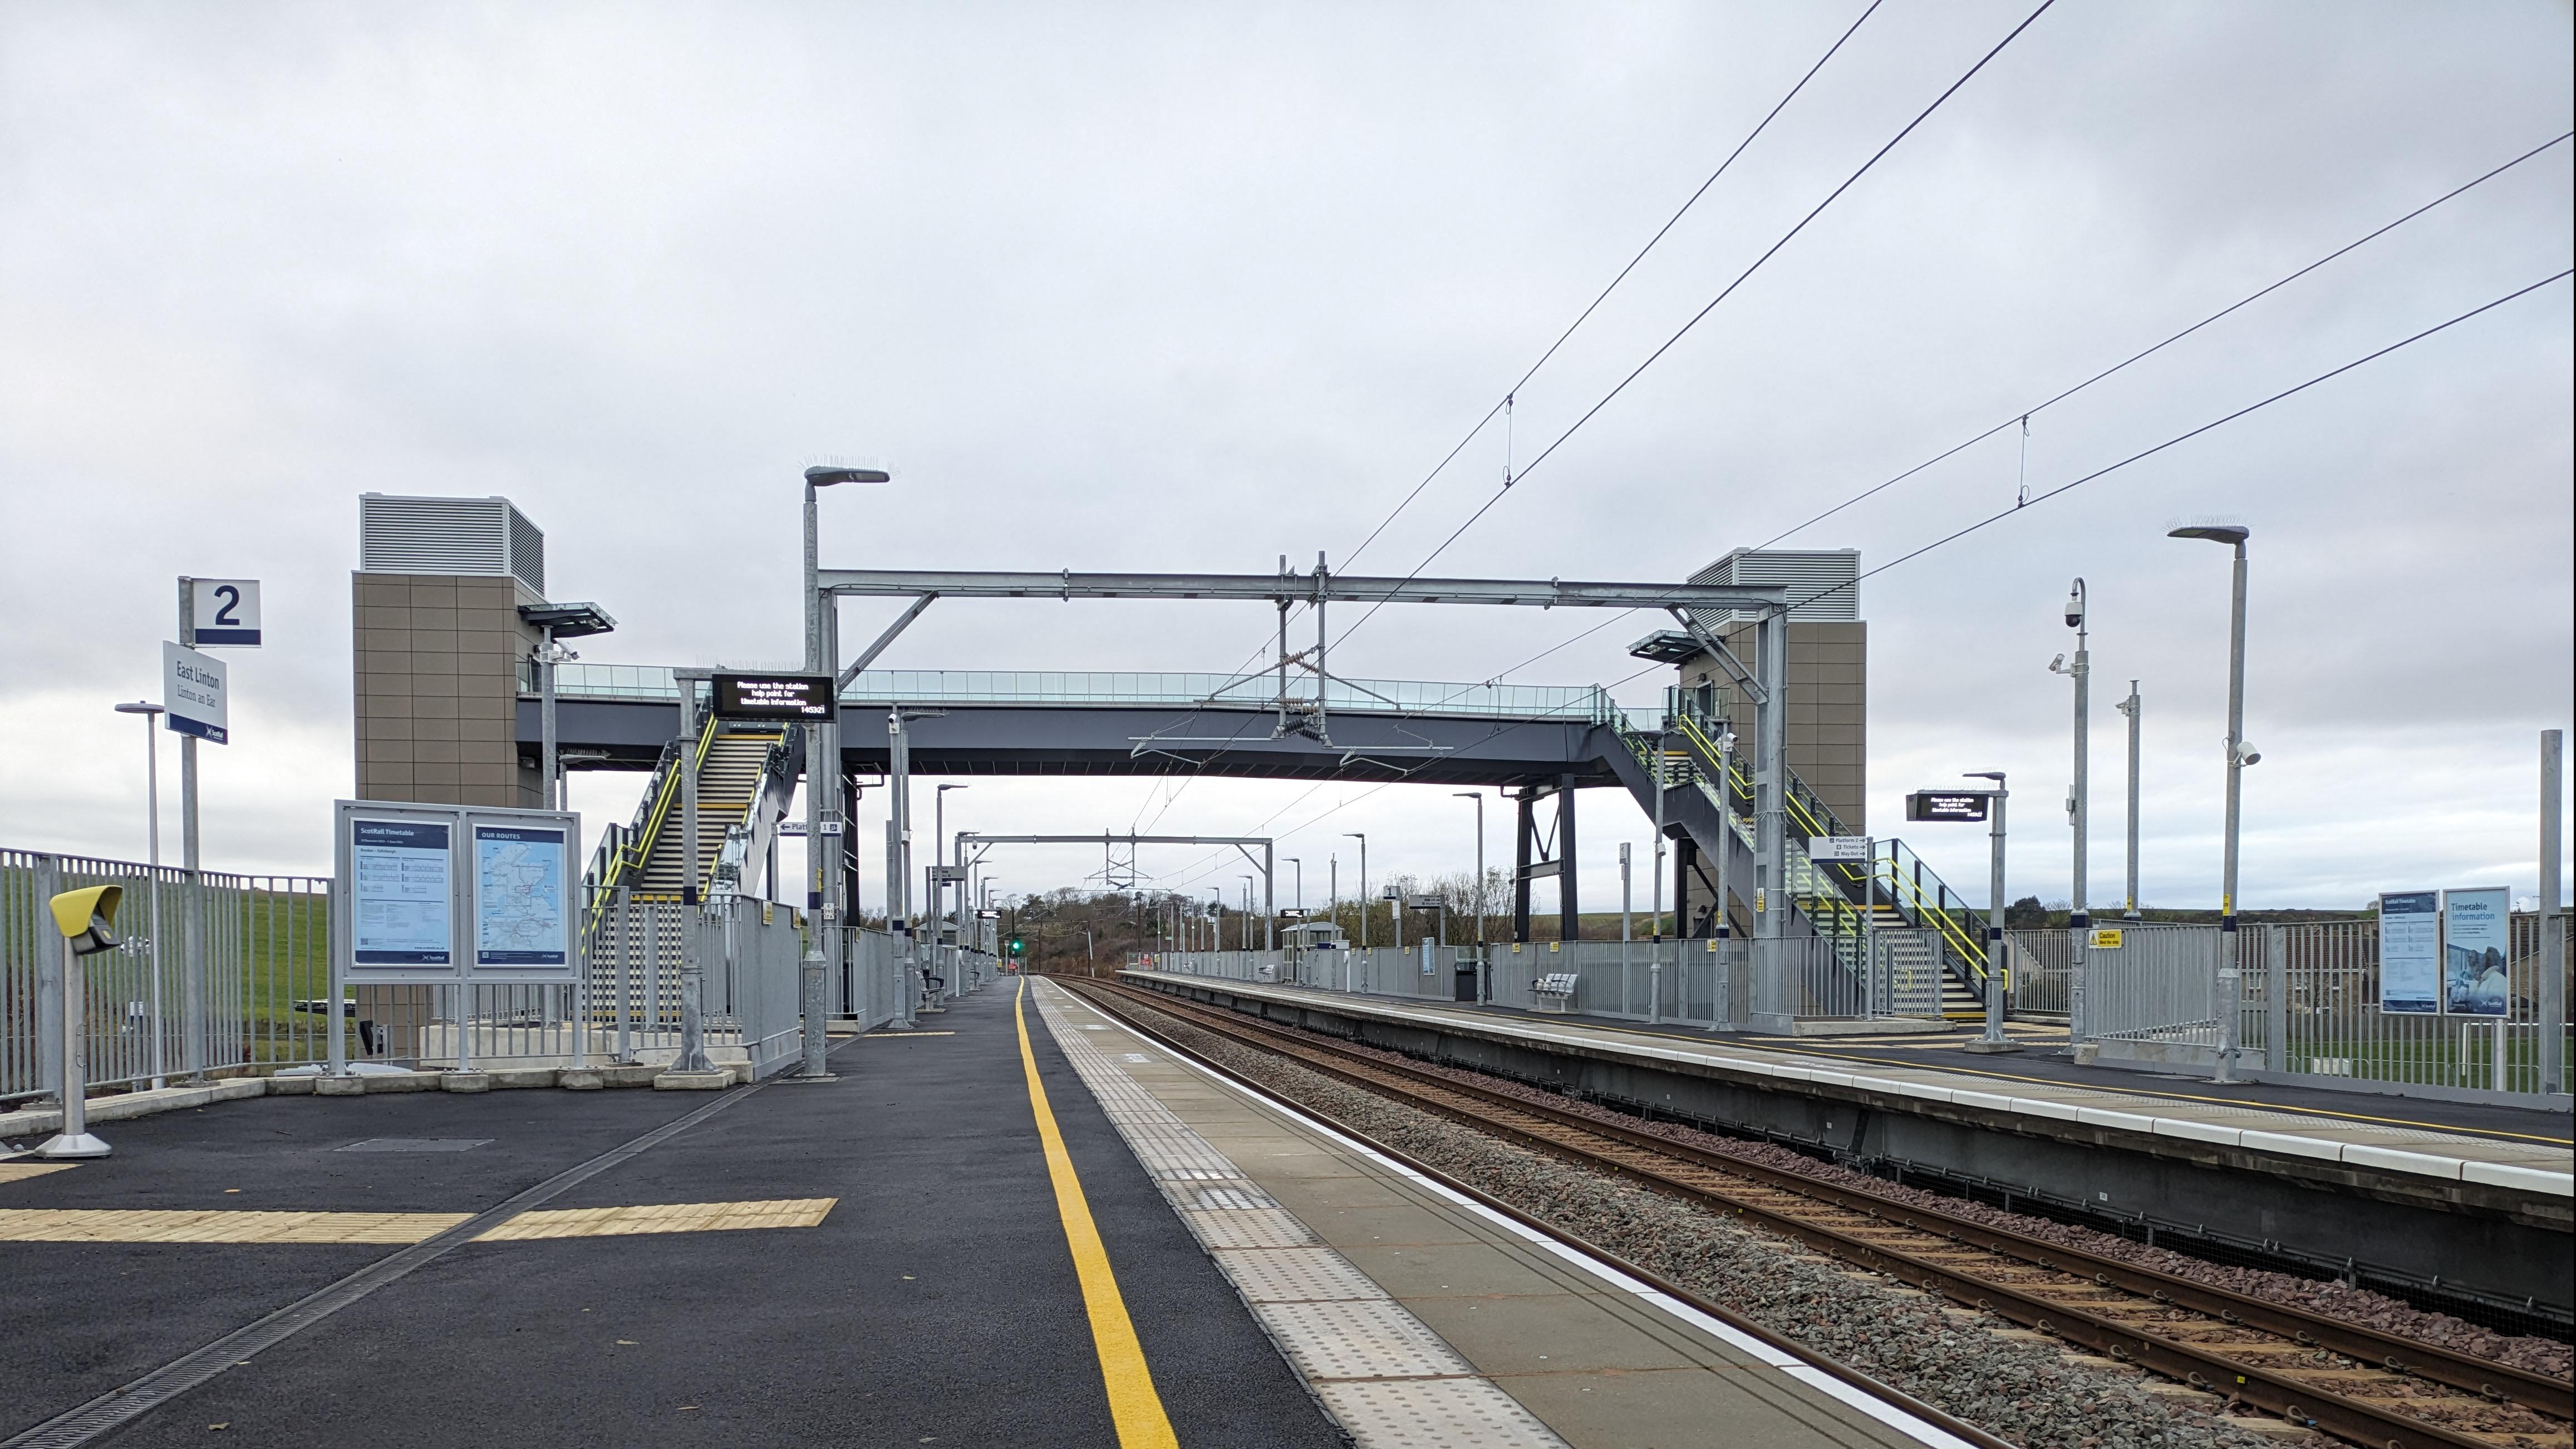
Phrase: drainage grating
(415, 1144)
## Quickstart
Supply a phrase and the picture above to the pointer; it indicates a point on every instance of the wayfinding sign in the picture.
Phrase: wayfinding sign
(2474, 951)
(774, 696)
(1855, 848)
(2410, 952)
(226, 611)
(453, 894)
(1946, 805)
(193, 690)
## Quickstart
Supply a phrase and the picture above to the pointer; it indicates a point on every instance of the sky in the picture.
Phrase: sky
(1190, 288)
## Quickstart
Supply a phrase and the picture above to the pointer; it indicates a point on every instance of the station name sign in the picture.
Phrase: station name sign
(774, 696)
(1946, 805)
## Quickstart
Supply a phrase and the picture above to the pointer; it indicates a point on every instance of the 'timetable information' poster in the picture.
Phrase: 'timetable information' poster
(2410, 952)
(2474, 951)
(399, 877)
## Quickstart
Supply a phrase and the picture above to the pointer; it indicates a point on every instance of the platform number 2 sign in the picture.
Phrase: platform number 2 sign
(226, 610)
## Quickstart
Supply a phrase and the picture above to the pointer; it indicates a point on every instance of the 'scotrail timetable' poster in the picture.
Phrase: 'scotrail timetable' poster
(399, 884)
(2410, 952)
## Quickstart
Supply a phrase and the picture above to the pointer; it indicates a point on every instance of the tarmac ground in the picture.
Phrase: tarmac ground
(935, 1300)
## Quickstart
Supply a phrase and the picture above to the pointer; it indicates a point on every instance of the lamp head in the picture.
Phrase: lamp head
(140, 707)
(1995, 775)
(825, 477)
(2226, 533)
(87, 918)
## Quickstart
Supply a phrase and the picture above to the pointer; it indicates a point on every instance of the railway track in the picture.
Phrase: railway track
(2356, 1383)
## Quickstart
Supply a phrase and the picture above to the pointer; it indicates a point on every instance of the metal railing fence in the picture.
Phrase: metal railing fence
(212, 974)
(2041, 972)
(231, 972)
(2159, 987)
(2311, 1006)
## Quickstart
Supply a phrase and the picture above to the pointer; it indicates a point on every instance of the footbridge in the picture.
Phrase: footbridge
(987, 722)
(1541, 743)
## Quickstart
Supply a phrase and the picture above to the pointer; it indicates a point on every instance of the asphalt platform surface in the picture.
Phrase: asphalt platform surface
(937, 1304)
(2040, 1061)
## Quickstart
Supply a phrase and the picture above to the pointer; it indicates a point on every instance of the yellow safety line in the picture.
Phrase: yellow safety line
(1133, 1405)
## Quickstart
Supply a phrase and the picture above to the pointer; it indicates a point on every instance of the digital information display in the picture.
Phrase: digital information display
(774, 696)
(1945, 805)
(400, 890)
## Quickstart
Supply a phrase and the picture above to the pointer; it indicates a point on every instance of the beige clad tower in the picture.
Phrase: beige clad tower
(1828, 704)
(441, 646)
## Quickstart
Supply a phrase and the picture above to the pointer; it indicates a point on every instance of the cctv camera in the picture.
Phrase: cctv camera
(2057, 665)
(2246, 754)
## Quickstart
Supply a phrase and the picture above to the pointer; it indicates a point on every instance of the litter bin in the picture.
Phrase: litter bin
(1466, 988)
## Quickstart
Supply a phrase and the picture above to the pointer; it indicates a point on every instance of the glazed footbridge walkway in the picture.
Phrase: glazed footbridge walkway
(615, 716)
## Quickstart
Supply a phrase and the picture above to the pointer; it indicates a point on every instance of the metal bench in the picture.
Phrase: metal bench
(1554, 992)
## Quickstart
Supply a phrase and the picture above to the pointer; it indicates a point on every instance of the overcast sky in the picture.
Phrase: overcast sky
(1191, 287)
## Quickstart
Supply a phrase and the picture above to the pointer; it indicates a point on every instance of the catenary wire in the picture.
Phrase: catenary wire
(2028, 413)
(2184, 437)
(1696, 318)
(2274, 286)
(1504, 403)
(1508, 393)
(2018, 507)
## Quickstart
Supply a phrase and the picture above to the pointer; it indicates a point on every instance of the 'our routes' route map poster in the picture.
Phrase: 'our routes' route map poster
(519, 902)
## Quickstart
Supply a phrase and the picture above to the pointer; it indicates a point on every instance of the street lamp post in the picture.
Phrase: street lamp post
(939, 890)
(1244, 936)
(2079, 804)
(2239, 755)
(2129, 900)
(1484, 987)
(825, 828)
(1994, 1039)
(152, 844)
(1300, 866)
(1364, 895)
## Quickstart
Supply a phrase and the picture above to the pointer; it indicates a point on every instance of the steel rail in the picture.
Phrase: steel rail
(2359, 1420)
(1845, 1373)
(2484, 1377)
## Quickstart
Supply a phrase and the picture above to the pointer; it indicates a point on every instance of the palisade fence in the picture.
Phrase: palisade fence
(229, 974)
(2306, 1008)
(211, 974)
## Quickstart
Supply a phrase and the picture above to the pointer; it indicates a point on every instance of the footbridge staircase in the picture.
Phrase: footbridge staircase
(1925, 934)
(747, 774)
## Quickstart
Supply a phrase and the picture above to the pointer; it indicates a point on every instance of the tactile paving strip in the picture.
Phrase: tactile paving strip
(1232, 1199)
(1361, 1338)
(180, 1225)
(1266, 1228)
(1388, 1380)
(1430, 1413)
(1297, 1275)
(677, 1217)
(21, 1171)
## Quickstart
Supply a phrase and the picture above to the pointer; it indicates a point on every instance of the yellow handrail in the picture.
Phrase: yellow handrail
(639, 848)
(1970, 950)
